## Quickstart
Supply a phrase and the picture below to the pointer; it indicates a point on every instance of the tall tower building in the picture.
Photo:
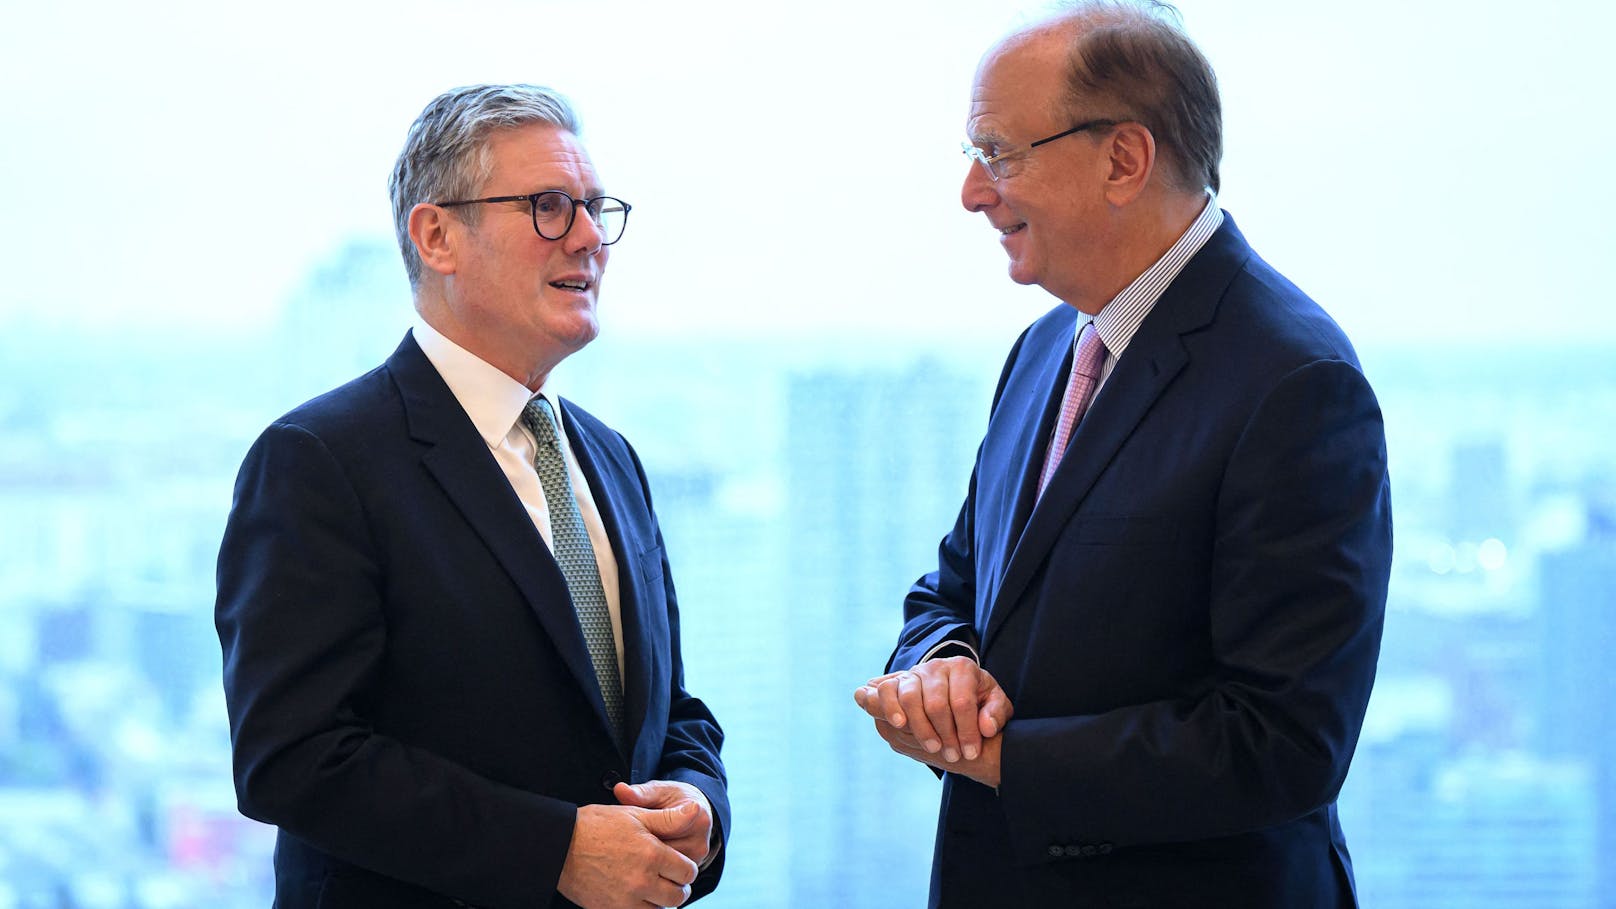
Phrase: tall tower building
(1578, 688)
(877, 466)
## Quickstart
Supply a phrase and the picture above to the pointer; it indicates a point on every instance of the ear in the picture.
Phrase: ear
(432, 230)
(1132, 159)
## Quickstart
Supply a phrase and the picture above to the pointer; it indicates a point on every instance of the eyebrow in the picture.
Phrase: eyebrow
(988, 136)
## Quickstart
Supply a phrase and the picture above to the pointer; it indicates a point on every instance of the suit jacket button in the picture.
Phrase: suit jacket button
(1073, 850)
(1105, 848)
(1089, 849)
(610, 779)
(1056, 851)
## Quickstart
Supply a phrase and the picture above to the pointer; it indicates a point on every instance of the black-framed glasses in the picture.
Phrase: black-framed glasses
(554, 211)
(993, 163)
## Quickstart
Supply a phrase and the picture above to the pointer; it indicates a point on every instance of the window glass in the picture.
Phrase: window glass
(802, 330)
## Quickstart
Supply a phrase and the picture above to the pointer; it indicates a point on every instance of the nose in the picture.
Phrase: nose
(978, 193)
(584, 239)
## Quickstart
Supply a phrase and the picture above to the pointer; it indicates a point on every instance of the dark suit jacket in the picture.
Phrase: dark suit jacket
(411, 700)
(1187, 622)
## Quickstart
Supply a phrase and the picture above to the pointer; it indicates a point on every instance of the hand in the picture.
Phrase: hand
(695, 841)
(618, 860)
(949, 705)
(985, 768)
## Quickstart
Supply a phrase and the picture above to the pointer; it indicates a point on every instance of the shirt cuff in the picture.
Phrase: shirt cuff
(936, 652)
(715, 840)
(715, 843)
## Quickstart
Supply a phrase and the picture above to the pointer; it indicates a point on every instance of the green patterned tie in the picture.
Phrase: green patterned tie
(576, 556)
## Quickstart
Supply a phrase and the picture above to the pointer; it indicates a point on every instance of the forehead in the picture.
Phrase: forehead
(1017, 86)
(539, 153)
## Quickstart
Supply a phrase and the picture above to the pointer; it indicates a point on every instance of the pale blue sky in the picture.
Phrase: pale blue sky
(1436, 170)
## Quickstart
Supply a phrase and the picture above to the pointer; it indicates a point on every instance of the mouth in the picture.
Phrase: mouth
(1014, 228)
(574, 285)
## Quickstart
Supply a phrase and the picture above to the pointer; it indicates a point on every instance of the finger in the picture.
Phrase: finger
(890, 708)
(677, 869)
(996, 709)
(869, 698)
(891, 734)
(695, 846)
(664, 892)
(937, 696)
(896, 737)
(670, 823)
(901, 742)
(912, 696)
(962, 686)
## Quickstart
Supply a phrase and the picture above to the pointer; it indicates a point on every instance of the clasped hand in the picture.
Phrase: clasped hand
(947, 713)
(646, 850)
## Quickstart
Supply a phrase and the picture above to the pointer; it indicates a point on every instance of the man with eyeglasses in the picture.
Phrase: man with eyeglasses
(451, 641)
(1143, 661)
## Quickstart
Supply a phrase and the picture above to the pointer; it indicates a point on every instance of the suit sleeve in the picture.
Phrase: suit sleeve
(941, 606)
(300, 619)
(690, 751)
(1300, 562)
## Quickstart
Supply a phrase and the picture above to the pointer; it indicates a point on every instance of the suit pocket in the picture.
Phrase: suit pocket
(651, 566)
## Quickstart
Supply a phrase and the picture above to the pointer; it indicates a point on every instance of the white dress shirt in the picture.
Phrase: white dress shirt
(494, 401)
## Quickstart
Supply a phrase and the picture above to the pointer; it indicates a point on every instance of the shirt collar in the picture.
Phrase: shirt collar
(492, 399)
(1120, 319)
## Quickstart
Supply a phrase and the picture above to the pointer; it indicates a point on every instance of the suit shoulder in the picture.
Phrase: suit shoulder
(1277, 314)
(358, 405)
(613, 444)
(587, 423)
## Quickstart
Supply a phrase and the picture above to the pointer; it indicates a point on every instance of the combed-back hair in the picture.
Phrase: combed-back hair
(445, 155)
(1131, 59)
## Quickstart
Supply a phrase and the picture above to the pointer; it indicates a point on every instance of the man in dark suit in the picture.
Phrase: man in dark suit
(451, 642)
(1143, 660)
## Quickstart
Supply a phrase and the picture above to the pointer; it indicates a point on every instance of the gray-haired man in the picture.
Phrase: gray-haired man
(451, 641)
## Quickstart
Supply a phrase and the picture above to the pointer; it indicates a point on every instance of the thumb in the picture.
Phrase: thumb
(670, 823)
(996, 709)
(631, 795)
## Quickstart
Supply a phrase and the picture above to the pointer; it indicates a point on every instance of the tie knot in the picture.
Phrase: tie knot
(540, 420)
(1090, 353)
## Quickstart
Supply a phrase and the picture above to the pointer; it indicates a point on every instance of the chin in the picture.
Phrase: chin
(581, 334)
(1022, 275)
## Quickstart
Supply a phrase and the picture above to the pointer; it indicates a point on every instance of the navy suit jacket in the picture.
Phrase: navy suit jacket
(1187, 622)
(411, 700)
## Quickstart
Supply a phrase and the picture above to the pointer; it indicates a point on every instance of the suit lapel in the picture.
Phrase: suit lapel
(459, 459)
(1154, 357)
(1031, 419)
(1134, 384)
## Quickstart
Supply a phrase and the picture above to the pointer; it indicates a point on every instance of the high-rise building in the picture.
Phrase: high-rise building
(877, 465)
(1578, 688)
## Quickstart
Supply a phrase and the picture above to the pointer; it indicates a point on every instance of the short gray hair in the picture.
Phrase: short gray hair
(1132, 59)
(445, 155)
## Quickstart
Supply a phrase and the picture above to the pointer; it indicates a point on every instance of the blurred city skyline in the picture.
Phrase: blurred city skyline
(1481, 778)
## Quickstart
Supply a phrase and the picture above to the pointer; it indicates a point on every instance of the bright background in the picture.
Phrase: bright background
(802, 329)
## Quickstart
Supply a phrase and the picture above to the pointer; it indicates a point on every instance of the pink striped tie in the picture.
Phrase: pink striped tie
(1079, 391)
